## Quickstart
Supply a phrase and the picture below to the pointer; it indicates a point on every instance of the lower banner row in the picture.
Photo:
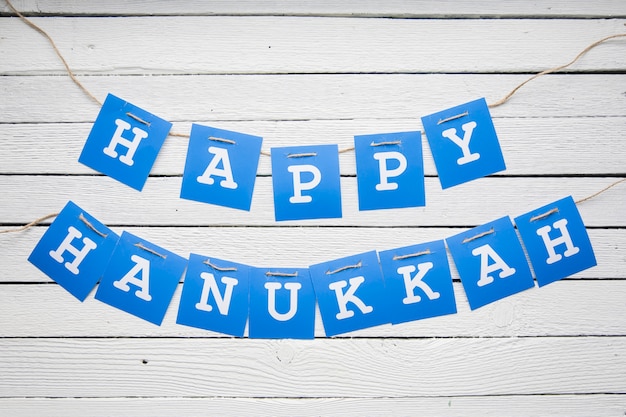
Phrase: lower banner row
(355, 292)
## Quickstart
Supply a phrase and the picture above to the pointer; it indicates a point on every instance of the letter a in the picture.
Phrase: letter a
(131, 145)
(416, 281)
(141, 265)
(299, 186)
(293, 288)
(221, 155)
(486, 252)
(222, 301)
(385, 173)
(468, 128)
(348, 297)
(552, 243)
(66, 245)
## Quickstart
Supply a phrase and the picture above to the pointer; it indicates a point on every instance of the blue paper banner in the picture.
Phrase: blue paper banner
(75, 250)
(215, 295)
(491, 262)
(556, 240)
(390, 170)
(418, 281)
(221, 167)
(464, 143)
(282, 304)
(306, 182)
(351, 293)
(124, 142)
(141, 278)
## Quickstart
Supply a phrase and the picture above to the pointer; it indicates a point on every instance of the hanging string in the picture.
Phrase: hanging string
(56, 50)
(48, 216)
(348, 149)
(555, 69)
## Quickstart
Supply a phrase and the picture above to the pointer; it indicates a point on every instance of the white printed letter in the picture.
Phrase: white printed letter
(222, 301)
(143, 266)
(385, 173)
(299, 186)
(131, 145)
(293, 288)
(485, 253)
(565, 238)
(66, 245)
(416, 281)
(468, 128)
(221, 155)
(348, 297)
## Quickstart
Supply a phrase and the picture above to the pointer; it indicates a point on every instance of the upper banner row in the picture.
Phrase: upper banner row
(221, 165)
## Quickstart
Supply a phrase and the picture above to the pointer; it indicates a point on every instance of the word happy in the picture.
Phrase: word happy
(221, 165)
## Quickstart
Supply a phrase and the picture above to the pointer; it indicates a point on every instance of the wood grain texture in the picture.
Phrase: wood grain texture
(370, 8)
(318, 368)
(598, 405)
(53, 99)
(240, 45)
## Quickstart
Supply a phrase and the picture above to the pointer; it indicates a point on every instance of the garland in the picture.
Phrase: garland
(355, 292)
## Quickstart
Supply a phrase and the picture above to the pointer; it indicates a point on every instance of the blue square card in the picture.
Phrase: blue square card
(282, 304)
(418, 281)
(124, 142)
(75, 250)
(215, 295)
(351, 293)
(141, 278)
(464, 143)
(306, 182)
(556, 240)
(221, 167)
(390, 170)
(491, 262)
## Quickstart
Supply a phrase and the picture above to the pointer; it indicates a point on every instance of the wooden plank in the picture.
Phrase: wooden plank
(598, 405)
(30, 197)
(287, 368)
(565, 308)
(302, 97)
(371, 8)
(270, 45)
(530, 146)
(291, 247)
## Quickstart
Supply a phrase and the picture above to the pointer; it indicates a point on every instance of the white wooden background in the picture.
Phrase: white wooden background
(309, 73)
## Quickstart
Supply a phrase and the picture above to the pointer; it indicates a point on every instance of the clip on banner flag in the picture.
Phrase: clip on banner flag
(354, 292)
(124, 142)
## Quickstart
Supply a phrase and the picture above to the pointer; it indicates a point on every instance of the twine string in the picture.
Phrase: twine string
(411, 255)
(281, 274)
(544, 215)
(216, 139)
(344, 268)
(152, 251)
(91, 226)
(31, 224)
(478, 236)
(302, 155)
(391, 142)
(56, 50)
(555, 69)
(219, 268)
(449, 119)
(137, 118)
